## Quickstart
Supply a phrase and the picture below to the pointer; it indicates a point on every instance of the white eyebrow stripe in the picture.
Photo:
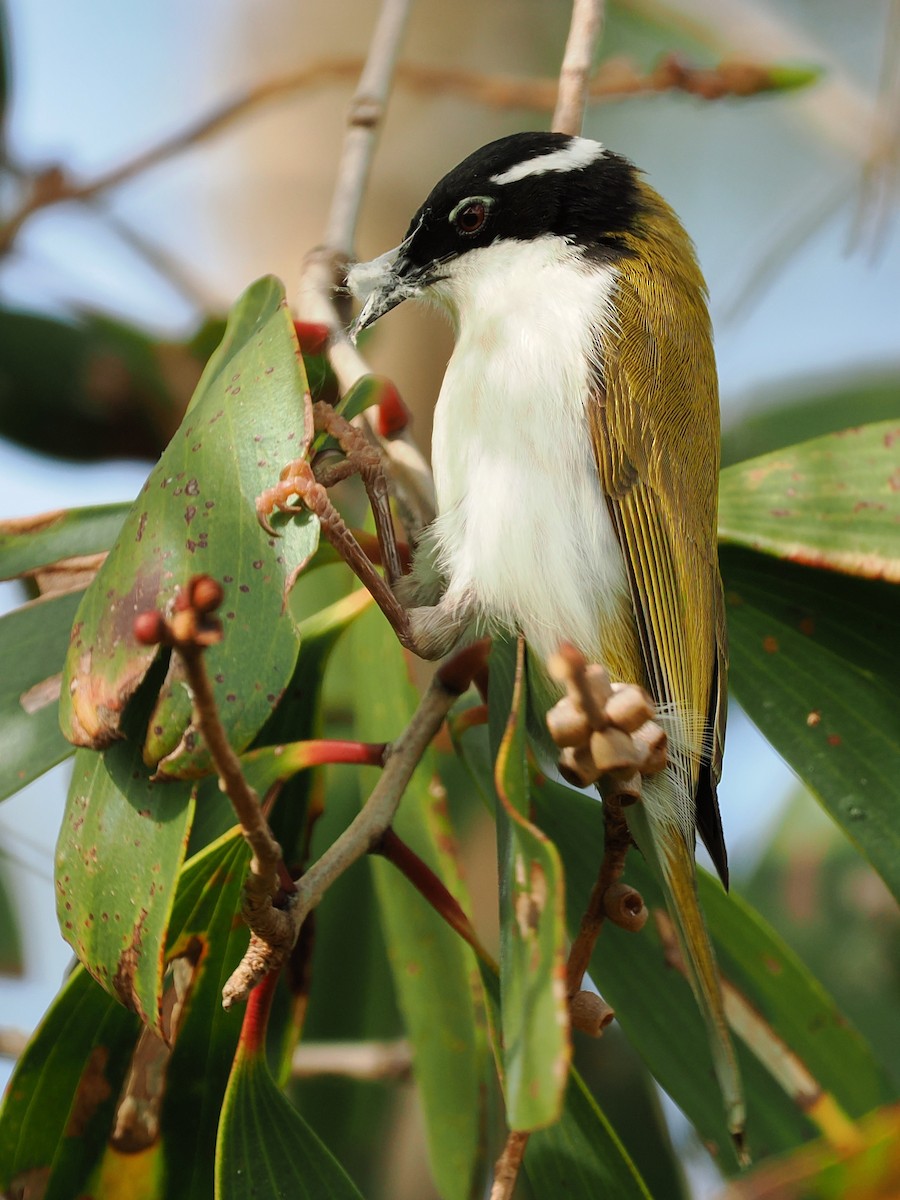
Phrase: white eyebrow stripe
(580, 152)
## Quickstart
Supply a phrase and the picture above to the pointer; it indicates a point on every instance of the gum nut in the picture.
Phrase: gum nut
(577, 767)
(652, 743)
(629, 707)
(567, 724)
(598, 684)
(613, 750)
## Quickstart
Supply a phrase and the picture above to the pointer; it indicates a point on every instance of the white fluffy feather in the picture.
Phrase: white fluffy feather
(523, 525)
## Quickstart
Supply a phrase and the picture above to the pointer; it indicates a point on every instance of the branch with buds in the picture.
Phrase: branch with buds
(192, 628)
(607, 736)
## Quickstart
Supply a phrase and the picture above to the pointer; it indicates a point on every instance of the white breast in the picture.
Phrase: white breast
(522, 524)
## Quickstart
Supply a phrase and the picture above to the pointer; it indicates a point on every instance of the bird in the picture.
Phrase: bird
(575, 455)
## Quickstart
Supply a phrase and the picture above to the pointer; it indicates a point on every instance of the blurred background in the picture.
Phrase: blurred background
(790, 198)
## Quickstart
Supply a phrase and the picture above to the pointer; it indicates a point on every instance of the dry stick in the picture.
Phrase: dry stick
(353, 1060)
(363, 833)
(584, 34)
(325, 267)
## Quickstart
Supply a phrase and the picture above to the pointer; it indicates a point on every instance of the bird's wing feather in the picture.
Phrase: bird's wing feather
(655, 432)
(656, 436)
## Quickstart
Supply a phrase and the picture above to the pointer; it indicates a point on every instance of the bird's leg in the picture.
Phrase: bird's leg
(430, 632)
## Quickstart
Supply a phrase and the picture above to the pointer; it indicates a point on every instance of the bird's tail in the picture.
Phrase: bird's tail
(669, 851)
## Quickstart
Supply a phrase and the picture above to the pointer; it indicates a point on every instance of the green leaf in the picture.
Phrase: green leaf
(59, 1105)
(92, 387)
(657, 1012)
(32, 542)
(815, 658)
(832, 502)
(867, 1165)
(118, 858)
(581, 1156)
(534, 1008)
(205, 925)
(33, 642)
(197, 514)
(782, 417)
(352, 997)
(579, 1151)
(434, 971)
(11, 960)
(266, 1148)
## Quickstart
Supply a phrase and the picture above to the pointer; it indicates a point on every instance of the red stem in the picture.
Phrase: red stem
(256, 1015)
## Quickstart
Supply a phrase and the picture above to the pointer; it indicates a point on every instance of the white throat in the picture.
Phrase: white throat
(522, 523)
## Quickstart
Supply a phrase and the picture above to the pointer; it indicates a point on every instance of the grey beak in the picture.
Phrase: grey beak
(381, 284)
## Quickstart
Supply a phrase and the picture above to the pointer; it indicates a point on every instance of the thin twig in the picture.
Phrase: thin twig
(615, 79)
(325, 268)
(617, 841)
(584, 34)
(190, 631)
(364, 122)
(12, 1043)
(506, 1169)
(263, 880)
(353, 1060)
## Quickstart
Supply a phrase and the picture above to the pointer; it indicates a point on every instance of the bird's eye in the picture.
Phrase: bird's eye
(470, 216)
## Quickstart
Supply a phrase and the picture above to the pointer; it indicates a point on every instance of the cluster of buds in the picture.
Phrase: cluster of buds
(192, 622)
(605, 730)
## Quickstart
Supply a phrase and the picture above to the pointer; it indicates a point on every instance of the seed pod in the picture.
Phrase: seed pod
(567, 724)
(651, 742)
(625, 907)
(629, 707)
(590, 1013)
(577, 767)
(598, 684)
(613, 750)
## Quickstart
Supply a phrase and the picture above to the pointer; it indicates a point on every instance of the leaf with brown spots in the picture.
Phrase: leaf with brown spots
(60, 1102)
(433, 969)
(534, 1008)
(33, 642)
(655, 1007)
(197, 513)
(28, 543)
(118, 859)
(831, 502)
(815, 659)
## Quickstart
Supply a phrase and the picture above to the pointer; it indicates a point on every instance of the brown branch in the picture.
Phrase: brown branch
(616, 843)
(506, 1169)
(615, 79)
(607, 737)
(190, 631)
(367, 829)
(584, 34)
(324, 269)
(364, 121)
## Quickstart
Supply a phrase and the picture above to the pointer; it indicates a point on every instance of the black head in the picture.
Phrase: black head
(518, 188)
(521, 187)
